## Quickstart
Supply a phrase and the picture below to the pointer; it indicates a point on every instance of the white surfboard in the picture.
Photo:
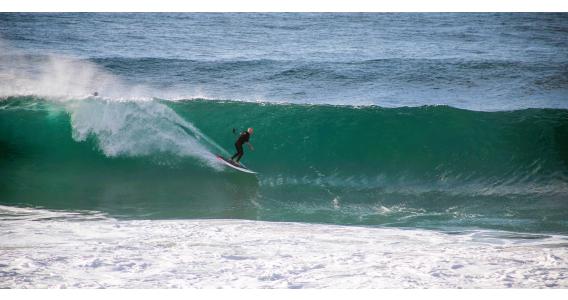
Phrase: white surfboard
(234, 165)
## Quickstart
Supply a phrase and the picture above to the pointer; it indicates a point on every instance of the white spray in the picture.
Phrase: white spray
(123, 118)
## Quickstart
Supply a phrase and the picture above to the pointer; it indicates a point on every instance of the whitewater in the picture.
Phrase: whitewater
(51, 249)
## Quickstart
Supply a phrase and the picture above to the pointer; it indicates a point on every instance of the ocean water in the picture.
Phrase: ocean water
(415, 150)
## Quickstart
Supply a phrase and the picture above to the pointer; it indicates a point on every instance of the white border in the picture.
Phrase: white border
(284, 5)
(282, 294)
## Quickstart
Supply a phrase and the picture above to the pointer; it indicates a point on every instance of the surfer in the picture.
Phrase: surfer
(243, 138)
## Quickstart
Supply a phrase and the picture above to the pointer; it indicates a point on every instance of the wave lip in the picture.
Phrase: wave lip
(138, 129)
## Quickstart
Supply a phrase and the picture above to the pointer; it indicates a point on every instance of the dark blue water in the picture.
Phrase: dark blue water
(476, 61)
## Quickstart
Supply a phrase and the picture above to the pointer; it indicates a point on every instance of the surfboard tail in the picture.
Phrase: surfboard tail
(236, 166)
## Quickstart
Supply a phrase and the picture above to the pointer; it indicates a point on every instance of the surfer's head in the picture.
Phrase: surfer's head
(250, 130)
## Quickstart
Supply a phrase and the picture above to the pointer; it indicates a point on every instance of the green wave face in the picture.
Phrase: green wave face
(432, 166)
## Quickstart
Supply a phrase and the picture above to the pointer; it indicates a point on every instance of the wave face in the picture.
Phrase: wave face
(429, 166)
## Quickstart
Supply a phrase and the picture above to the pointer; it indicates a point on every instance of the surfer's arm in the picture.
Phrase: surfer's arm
(250, 146)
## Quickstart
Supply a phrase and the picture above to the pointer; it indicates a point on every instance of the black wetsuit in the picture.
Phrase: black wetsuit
(243, 138)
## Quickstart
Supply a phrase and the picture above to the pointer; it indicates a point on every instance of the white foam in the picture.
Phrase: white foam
(123, 118)
(41, 248)
(58, 77)
(139, 129)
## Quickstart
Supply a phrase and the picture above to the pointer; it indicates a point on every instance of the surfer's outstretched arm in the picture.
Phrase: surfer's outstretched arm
(250, 146)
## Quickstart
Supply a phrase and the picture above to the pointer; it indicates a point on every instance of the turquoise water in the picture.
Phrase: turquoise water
(430, 166)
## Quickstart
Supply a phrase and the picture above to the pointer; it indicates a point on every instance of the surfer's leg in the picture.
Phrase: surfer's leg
(239, 152)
